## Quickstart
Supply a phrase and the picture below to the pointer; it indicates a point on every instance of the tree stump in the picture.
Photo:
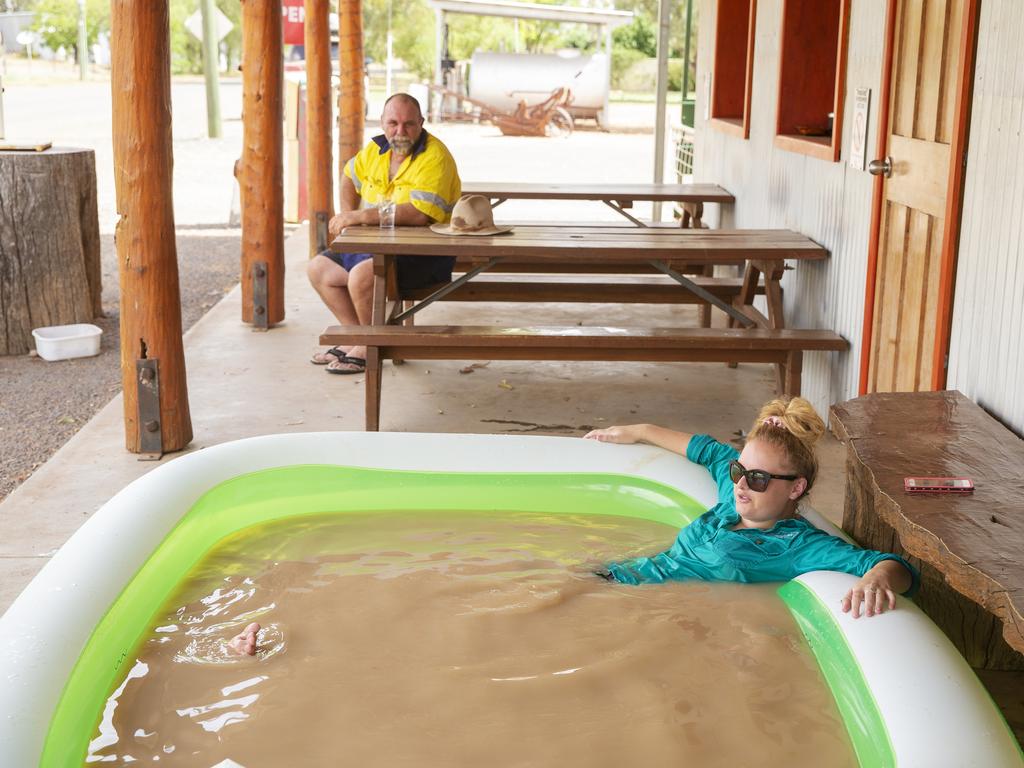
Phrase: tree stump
(967, 547)
(49, 243)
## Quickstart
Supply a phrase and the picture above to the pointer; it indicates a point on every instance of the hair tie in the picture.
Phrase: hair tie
(774, 421)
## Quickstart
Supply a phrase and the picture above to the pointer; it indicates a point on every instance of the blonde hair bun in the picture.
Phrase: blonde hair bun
(797, 416)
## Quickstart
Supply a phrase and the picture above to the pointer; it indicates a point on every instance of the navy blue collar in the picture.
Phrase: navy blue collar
(384, 145)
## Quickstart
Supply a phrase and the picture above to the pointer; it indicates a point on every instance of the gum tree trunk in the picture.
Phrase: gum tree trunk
(318, 121)
(261, 169)
(147, 256)
(350, 93)
(49, 243)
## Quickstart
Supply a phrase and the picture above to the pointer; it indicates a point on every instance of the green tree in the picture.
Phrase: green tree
(413, 36)
(640, 36)
(187, 49)
(648, 11)
(582, 37)
(412, 26)
(232, 42)
(57, 22)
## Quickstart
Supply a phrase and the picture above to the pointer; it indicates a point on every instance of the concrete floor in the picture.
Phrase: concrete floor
(242, 383)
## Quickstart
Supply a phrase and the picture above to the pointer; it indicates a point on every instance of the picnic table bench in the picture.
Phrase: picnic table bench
(783, 347)
(968, 547)
(757, 337)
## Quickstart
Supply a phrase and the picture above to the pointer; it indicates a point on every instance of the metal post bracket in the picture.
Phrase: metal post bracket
(147, 409)
(321, 231)
(259, 296)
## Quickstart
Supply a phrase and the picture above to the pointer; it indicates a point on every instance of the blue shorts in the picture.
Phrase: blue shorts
(413, 271)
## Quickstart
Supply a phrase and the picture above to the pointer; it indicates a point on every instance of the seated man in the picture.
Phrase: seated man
(417, 172)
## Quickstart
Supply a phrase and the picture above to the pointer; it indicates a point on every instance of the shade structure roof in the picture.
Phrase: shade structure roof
(599, 16)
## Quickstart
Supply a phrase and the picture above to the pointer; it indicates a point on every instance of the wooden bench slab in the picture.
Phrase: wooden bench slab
(584, 342)
(785, 348)
(969, 547)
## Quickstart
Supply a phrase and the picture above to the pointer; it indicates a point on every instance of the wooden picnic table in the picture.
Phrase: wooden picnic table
(581, 248)
(618, 197)
(763, 252)
(588, 244)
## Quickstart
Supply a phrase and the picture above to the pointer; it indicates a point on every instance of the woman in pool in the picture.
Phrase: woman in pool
(755, 533)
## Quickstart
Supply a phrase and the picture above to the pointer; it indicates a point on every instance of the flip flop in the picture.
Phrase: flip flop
(358, 363)
(332, 351)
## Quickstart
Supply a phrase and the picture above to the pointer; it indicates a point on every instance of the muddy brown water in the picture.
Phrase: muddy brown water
(403, 639)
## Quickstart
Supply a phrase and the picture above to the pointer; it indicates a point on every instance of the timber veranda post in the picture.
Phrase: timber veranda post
(350, 91)
(318, 123)
(261, 170)
(152, 355)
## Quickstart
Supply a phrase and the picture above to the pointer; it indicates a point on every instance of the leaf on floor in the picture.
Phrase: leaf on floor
(505, 385)
(473, 366)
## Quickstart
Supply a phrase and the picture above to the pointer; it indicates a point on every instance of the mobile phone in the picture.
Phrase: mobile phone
(938, 484)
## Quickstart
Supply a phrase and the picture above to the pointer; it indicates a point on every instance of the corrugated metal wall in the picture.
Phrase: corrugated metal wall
(829, 202)
(986, 356)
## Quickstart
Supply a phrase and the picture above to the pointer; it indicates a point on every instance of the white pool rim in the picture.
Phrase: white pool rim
(934, 708)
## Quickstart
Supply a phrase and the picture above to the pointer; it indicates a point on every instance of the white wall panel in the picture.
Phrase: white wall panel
(986, 360)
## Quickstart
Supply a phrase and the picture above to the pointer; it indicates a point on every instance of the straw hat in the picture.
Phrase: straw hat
(471, 215)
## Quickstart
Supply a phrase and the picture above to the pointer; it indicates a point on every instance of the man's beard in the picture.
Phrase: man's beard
(402, 145)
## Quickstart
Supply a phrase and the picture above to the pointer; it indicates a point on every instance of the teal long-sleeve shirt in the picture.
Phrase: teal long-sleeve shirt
(708, 549)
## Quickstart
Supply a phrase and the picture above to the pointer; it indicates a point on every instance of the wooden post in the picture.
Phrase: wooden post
(140, 79)
(318, 123)
(350, 92)
(261, 170)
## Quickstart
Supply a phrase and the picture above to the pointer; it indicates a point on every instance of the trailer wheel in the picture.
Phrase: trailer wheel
(559, 123)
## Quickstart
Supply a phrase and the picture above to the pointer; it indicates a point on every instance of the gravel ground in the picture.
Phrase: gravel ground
(42, 404)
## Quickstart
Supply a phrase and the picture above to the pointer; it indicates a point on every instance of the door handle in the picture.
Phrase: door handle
(881, 167)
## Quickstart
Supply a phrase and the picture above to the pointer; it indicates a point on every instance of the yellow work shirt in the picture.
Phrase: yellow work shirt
(427, 178)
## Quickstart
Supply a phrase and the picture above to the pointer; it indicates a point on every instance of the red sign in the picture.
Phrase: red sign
(294, 17)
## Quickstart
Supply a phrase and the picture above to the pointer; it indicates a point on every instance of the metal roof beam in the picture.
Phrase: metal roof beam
(509, 9)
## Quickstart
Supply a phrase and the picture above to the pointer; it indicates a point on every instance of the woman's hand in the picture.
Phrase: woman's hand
(876, 590)
(623, 435)
(874, 597)
(668, 439)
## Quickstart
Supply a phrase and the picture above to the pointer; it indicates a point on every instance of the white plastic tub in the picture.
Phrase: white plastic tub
(63, 342)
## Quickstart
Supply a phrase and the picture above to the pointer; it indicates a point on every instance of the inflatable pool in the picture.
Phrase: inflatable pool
(906, 696)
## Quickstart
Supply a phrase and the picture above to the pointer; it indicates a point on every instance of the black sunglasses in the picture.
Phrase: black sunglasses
(757, 479)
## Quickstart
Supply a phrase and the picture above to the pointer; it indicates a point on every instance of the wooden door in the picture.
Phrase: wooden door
(906, 322)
